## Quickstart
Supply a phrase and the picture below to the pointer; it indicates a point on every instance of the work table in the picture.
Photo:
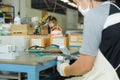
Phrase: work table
(30, 64)
(29, 59)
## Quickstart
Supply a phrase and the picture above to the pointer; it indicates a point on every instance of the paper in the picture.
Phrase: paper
(73, 38)
(36, 42)
(58, 41)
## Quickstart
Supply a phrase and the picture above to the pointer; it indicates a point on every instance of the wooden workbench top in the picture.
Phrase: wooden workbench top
(26, 58)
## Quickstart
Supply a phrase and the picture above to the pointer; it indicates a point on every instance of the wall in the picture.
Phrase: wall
(24, 6)
(35, 12)
(72, 19)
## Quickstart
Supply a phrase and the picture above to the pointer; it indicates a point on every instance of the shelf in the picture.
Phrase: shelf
(8, 18)
(10, 76)
(2, 5)
(8, 12)
(5, 11)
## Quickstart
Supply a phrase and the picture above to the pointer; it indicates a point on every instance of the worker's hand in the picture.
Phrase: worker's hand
(61, 67)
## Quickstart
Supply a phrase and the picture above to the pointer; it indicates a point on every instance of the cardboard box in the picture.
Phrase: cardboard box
(75, 39)
(60, 41)
(22, 30)
(40, 41)
(44, 30)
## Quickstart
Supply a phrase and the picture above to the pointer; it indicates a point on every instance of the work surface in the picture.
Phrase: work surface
(29, 59)
(26, 58)
(30, 64)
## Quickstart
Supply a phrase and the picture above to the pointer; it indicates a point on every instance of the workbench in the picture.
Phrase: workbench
(30, 64)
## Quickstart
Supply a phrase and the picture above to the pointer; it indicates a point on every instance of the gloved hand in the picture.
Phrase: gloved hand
(61, 66)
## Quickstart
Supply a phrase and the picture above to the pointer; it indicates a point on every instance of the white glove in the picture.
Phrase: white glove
(61, 67)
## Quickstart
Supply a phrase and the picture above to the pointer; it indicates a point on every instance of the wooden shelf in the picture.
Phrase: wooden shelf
(5, 11)
(8, 18)
(2, 5)
(8, 11)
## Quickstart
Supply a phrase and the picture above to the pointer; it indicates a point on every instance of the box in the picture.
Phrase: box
(22, 30)
(75, 39)
(21, 42)
(40, 41)
(44, 30)
(60, 41)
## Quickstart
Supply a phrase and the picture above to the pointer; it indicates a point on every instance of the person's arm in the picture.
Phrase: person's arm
(83, 65)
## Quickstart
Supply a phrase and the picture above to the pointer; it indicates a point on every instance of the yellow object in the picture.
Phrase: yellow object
(44, 19)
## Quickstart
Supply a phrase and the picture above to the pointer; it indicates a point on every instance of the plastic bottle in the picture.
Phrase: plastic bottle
(17, 19)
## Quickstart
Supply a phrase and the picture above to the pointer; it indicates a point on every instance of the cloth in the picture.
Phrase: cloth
(102, 70)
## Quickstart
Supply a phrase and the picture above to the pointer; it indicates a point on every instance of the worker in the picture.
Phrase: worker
(52, 22)
(101, 37)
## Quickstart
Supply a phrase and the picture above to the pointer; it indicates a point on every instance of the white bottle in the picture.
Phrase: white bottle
(17, 19)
